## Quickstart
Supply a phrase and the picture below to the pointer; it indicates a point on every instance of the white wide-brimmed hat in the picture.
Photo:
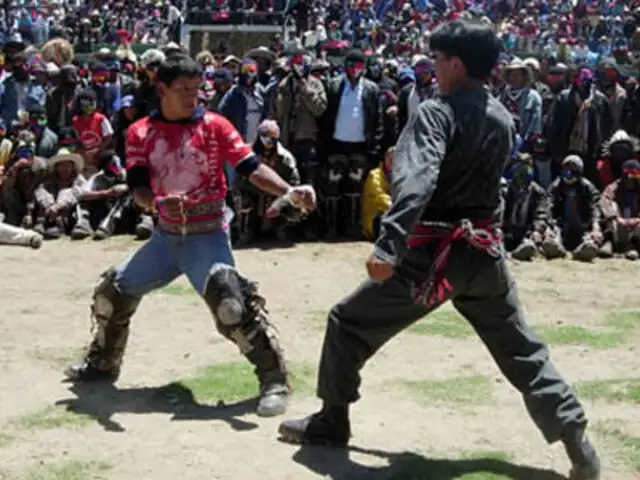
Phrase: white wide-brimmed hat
(65, 155)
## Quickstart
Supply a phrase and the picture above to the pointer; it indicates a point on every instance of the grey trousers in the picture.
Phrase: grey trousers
(484, 292)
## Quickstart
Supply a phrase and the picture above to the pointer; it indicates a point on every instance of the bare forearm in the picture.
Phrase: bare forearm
(267, 180)
(91, 195)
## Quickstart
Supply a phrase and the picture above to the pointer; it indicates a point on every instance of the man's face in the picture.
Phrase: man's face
(88, 105)
(182, 94)
(570, 174)
(100, 77)
(297, 63)
(65, 170)
(15, 64)
(516, 78)
(130, 112)
(25, 151)
(424, 73)
(354, 69)
(609, 76)
(631, 176)
(37, 122)
(445, 72)
(221, 85)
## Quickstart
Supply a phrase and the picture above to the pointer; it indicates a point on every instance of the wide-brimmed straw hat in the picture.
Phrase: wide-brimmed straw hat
(65, 155)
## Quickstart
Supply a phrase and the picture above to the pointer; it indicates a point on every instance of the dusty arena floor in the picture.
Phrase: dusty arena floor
(434, 405)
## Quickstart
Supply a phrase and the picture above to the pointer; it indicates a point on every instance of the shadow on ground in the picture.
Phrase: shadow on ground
(101, 401)
(336, 464)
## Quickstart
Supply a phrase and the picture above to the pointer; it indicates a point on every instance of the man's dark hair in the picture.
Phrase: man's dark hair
(177, 66)
(475, 44)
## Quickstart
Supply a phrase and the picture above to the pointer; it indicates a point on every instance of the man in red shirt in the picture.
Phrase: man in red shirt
(93, 129)
(175, 168)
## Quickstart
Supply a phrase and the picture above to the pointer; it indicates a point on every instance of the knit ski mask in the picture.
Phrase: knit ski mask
(524, 174)
(572, 168)
(248, 73)
(354, 65)
(631, 173)
(583, 83)
(424, 72)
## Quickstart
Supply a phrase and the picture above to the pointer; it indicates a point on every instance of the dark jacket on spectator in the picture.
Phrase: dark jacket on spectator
(372, 113)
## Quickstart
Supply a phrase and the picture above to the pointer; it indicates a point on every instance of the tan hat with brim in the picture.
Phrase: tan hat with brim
(64, 155)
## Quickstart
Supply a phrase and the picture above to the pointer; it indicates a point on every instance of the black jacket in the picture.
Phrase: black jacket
(588, 202)
(536, 214)
(373, 127)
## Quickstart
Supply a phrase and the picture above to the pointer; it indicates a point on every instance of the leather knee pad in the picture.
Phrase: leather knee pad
(109, 303)
(225, 298)
(111, 311)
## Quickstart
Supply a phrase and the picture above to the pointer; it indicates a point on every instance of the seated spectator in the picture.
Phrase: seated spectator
(109, 203)
(21, 176)
(58, 197)
(620, 148)
(256, 223)
(46, 139)
(376, 198)
(94, 130)
(6, 146)
(575, 214)
(526, 210)
(126, 115)
(620, 205)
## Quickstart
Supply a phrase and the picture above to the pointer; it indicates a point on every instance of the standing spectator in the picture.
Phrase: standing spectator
(353, 129)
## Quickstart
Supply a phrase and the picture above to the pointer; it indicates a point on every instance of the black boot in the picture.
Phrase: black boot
(85, 372)
(330, 426)
(585, 464)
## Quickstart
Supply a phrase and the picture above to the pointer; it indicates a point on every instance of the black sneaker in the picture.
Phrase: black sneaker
(85, 372)
(317, 429)
(586, 471)
(585, 464)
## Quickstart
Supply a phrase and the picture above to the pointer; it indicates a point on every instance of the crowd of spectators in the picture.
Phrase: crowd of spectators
(568, 76)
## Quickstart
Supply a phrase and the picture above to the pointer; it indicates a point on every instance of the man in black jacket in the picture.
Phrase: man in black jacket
(352, 130)
(440, 241)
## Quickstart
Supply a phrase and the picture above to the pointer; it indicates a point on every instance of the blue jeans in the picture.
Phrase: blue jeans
(165, 257)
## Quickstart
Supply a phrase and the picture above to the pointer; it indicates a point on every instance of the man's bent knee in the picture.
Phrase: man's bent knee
(109, 303)
(240, 316)
(224, 296)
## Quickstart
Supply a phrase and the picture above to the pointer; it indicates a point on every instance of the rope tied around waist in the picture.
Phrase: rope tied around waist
(484, 236)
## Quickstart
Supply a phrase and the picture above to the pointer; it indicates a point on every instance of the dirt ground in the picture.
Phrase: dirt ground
(434, 405)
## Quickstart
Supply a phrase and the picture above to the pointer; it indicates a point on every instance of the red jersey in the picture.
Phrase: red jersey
(188, 159)
(92, 130)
